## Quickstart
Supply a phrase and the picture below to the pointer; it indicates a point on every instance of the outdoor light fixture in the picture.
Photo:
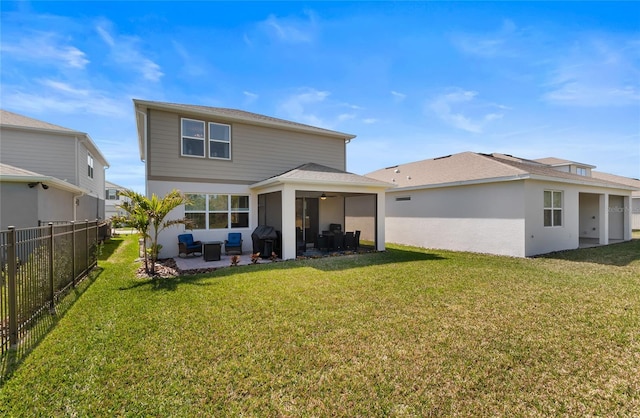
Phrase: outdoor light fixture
(323, 196)
(32, 185)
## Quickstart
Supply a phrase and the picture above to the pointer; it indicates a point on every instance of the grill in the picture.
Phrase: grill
(265, 241)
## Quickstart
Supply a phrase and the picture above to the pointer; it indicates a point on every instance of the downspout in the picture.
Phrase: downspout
(346, 142)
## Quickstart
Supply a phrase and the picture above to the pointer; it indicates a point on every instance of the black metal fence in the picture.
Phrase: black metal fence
(39, 265)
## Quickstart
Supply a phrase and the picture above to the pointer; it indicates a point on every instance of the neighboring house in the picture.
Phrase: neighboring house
(49, 173)
(242, 170)
(499, 204)
(635, 195)
(113, 200)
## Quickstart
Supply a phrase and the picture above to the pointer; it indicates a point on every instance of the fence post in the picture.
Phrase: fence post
(52, 306)
(86, 243)
(11, 283)
(73, 253)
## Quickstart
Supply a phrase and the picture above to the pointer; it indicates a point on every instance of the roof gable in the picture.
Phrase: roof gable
(317, 173)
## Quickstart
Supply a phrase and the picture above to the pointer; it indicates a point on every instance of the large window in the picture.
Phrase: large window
(219, 141)
(552, 208)
(192, 138)
(217, 211)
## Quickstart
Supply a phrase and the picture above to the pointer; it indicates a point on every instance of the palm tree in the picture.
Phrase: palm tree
(150, 213)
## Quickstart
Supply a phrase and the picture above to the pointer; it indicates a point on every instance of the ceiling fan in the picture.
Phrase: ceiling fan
(324, 196)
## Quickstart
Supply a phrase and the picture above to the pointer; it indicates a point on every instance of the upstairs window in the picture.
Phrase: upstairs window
(89, 165)
(581, 171)
(112, 194)
(552, 208)
(219, 141)
(192, 138)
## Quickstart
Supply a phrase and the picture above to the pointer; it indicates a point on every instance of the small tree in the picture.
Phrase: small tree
(147, 216)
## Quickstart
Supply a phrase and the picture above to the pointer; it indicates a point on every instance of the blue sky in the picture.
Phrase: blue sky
(413, 80)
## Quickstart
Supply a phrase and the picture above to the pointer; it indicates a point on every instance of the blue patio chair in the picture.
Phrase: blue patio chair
(186, 245)
(233, 243)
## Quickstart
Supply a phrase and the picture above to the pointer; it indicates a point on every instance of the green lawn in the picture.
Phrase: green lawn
(409, 332)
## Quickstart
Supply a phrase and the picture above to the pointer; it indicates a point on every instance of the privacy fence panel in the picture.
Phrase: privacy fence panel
(38, 266)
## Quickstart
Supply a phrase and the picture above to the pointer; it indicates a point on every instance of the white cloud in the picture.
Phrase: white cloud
(453, 109)
(297, 106)
(65, 88)
(597, 72)
(42, 48)
(346, 116)
(504, 41)
(398, 97)
(125, 51)
(369, 121)
(60, 97)
(291, 30)
(250, 97)
(189, 63)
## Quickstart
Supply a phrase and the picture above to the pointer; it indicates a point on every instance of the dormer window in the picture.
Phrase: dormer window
(581, 171)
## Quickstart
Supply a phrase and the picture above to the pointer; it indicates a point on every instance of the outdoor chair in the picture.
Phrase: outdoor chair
(186, 245)
(233, 243)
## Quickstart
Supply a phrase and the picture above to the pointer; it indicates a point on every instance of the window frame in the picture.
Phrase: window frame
(89, 165)
(116, 194)
(553, 209)
(194, 138)
(219, 141)
(230, 211)
(582, 171)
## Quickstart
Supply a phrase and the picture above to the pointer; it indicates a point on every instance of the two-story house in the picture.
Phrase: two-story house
(500, 204)
(113, 200)
(242, 170)
(47, 173)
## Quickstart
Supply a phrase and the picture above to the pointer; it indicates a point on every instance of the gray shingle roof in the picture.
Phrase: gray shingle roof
(9, 170)
(559, 161)
(619, 179)
(469, 167)
(13, 119)
(316, 173)
(242, 116)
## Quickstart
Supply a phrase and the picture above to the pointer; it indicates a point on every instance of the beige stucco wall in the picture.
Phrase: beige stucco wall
(486, 218)
(18, 205)
(505, 218)
(540, 239)
(635, 212)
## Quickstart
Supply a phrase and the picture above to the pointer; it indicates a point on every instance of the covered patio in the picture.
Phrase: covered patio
(315, 207)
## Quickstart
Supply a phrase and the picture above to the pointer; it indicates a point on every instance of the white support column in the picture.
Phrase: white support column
(380, 221)
(603, 227)
(288, 222)
(627, 218)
